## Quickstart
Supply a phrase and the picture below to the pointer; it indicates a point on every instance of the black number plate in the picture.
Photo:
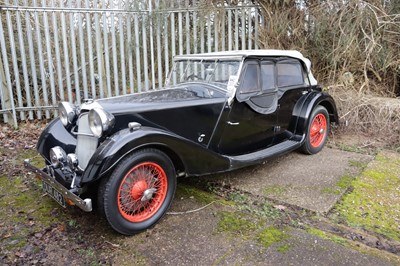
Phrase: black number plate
(54, 193)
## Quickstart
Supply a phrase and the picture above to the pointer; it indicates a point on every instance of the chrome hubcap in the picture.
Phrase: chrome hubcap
(148, 194)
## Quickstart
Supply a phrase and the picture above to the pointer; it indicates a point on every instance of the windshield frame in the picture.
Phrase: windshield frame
(170, 82)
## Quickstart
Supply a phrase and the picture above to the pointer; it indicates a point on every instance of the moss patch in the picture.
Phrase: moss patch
(24, 209)
(186, 191)
(354, 245)
(22, 198)
(264, 211)
(325, 235)
(238, 224)
(32, 225)
(358, 164)
(272, 235)
(374, 202)
(237, 197)
(283, 248)
(343, 183)
(357, 148)
(235, 223)
(275, 190)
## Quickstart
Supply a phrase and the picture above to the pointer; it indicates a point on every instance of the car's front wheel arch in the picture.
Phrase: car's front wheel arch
(174, 157)
(108, 167)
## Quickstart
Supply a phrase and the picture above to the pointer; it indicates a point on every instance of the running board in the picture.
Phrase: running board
(259, 156)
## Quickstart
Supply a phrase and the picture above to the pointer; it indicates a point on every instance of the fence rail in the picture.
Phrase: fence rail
(94, 49)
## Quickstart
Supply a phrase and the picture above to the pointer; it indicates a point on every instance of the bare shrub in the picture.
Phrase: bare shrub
(376, 116)
(353, 45)
(359, 37)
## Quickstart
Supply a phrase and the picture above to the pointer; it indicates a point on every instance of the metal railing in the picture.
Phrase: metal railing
(97, 48)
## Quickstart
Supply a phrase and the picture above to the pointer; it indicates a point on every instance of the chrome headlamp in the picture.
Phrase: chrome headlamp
(73, 162)
(58, 157)
(100, 121)
(68, 113)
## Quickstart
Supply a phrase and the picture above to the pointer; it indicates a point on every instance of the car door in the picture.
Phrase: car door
(292, 84)
(252, 118)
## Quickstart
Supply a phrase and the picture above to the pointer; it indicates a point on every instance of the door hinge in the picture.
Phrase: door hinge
(277, 129)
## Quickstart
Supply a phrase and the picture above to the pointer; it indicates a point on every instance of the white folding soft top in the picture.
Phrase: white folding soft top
(247, 53)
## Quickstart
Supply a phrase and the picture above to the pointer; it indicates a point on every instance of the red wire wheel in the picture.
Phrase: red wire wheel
(142, 192)
(318, 130)
(138, 192)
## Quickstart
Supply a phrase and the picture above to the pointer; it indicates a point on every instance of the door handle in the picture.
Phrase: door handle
(233, 123)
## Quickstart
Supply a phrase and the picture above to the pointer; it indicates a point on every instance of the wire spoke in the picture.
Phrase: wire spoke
(132, 205)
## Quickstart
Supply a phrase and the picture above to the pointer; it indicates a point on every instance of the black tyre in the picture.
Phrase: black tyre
(138, 192)
(317, 131)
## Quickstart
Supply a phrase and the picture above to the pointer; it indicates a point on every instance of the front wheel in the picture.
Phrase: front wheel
(139, 191)
(317, 131)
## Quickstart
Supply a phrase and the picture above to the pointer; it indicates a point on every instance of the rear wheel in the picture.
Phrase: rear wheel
(317, 131)
(139, 191)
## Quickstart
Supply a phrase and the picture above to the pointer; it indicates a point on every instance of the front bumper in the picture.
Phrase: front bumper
(84, 204)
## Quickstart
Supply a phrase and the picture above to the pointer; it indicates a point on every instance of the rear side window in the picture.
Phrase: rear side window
(289, 74)
(250, 79)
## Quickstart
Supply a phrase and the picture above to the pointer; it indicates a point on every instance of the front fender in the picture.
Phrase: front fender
(302, 112)
(196, 159)
(55, 134)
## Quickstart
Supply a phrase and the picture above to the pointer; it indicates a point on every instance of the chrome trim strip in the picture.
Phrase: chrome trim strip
(84, 204)
(82, 134)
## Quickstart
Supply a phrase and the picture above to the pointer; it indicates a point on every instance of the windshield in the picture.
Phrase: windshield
(212, 71)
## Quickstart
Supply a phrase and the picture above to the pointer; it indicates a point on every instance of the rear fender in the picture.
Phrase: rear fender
(306, 105)
(193, 158)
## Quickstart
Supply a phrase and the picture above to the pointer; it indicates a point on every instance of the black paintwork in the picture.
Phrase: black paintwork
(187, 111)
(55, 134)
(197, 128)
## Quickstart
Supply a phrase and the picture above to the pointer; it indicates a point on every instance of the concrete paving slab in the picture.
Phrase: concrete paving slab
(194, 239)
(307, 181)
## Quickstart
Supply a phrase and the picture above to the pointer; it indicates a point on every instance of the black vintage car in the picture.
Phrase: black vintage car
(219, 112)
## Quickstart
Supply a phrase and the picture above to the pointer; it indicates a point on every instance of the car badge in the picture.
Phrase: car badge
(201, 138)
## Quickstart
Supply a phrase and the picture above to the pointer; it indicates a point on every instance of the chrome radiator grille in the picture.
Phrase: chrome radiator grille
(86, 143)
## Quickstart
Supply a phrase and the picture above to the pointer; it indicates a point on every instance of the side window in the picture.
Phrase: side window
(250, 79)
(267, 76)
(290, 73)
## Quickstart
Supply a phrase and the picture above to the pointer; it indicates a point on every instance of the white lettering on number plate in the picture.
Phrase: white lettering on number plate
(54, 193)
